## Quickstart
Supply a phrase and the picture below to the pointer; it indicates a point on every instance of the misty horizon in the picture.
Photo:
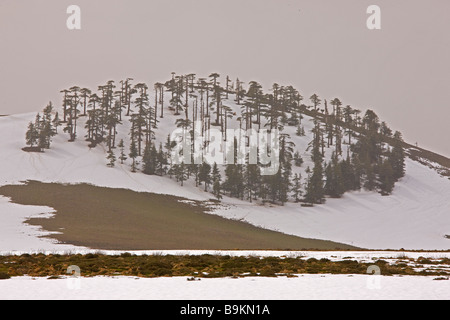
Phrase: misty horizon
(401, 71)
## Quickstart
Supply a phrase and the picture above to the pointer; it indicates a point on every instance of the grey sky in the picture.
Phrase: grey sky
(401, 71)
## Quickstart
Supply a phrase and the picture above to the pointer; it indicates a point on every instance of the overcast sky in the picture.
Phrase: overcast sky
(401, 71)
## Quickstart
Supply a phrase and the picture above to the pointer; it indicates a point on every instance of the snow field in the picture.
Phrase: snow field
(303, 287)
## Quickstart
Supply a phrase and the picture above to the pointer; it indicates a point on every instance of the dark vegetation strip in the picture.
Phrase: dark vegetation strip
(204, 266)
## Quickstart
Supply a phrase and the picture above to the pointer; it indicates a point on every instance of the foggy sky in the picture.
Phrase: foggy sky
(401, 71)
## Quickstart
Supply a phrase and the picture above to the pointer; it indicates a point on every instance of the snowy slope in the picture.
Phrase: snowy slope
(416, 216)
(304, 287)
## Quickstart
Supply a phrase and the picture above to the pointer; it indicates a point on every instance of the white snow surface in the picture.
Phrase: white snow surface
(416, 216)
(14, 235)
(303, 287)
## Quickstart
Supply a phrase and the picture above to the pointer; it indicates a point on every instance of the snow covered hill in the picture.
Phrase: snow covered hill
(415, 216)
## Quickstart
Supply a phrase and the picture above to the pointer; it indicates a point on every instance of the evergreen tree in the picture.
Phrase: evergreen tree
(348, 111)
(252, 180)
(40, 132)
(329, 178)
(282, 178)
(122, 156)
(315, 185)
(386, 178)
(272, 111)
(161, 161)
(169, 145)
(239, 91)
(32, 135)
(38, 124)
(371, 122)
(297, 187)
(336, 103)
(300, 131)
(368, 146)
(204, 175)
(94, 127)
(285, 183)
(298, 160)
(140, 120)
(385, 130)
(180, 172)
(215, 173)
(334, 186)
(234, 178)
(85, 93)
(216, 180)
(357, 172)
(127, 95)
(370, 182)
(56, 122)
(176, 88)
(348, 175)
(111, 122)
(133, 155)
(72, 113)
(316, 101)
(317, 144)
(255, 93)
(46, 130)
(194, 169)
(42, 137)
(149, 160)
(112, 159)
(397, 157)
(234, 182)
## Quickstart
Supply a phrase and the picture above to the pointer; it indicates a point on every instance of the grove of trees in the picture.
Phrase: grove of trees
(348, 150)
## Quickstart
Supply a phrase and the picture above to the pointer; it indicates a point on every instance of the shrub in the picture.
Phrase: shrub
(4, 276)
(423, 260)
(126, 255)
(91, 256)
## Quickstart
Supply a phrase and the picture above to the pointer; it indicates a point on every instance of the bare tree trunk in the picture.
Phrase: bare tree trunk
(162, 101)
